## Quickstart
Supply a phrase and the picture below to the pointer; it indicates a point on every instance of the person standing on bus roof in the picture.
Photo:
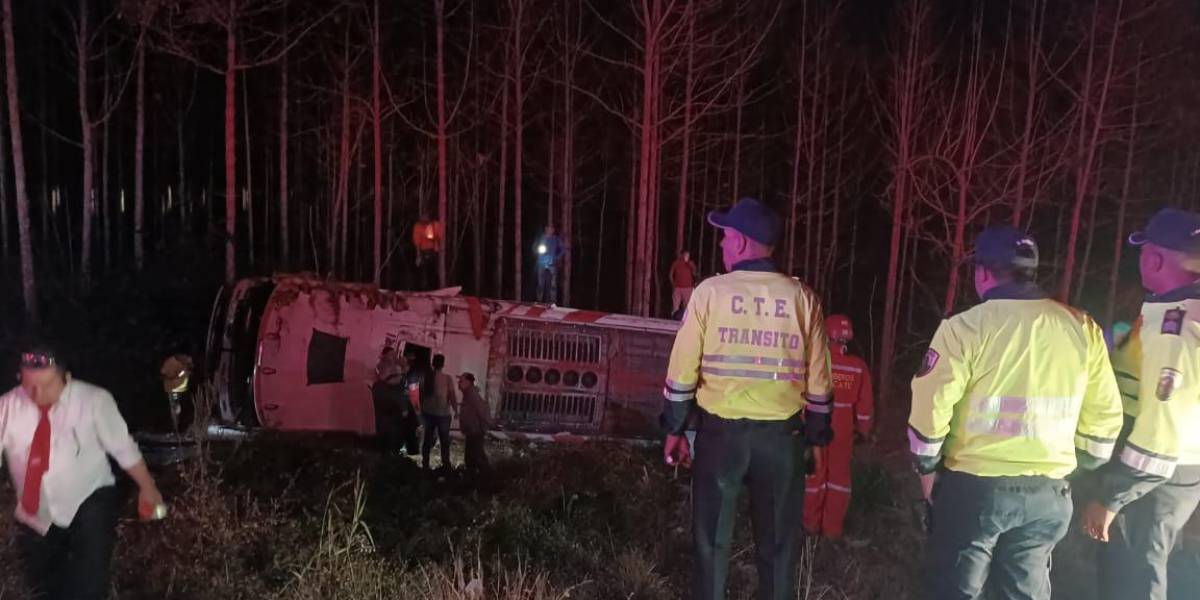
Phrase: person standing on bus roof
(750, 358)
(549, 253)
(683, 282)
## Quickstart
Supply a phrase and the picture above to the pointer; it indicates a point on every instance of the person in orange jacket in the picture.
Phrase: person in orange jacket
(827, 490)
(427, 237)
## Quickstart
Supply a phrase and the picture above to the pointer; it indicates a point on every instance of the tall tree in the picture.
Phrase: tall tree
(28, 281)
(377, 131)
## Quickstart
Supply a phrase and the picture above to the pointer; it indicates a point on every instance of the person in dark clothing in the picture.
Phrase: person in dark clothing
(475, 419)
(395, 419)
(436, 413)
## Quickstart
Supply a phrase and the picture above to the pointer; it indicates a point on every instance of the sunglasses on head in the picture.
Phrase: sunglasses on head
(37, 360)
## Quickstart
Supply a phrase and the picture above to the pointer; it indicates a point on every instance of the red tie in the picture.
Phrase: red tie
(39, 463)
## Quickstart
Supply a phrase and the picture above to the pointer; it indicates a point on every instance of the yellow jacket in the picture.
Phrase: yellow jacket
(1164, 442)
(1013, 387)
(751, 346)
(1167, 429)
(1127, 364)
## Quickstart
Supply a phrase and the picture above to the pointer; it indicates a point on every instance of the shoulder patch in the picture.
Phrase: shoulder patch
(1173, 321)
(929, 362)
(1168, 381)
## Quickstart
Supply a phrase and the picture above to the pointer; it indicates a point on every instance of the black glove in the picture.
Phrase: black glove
(925, 514)
(818, 428)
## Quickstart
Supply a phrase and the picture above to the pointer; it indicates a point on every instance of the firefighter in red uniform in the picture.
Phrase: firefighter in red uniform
(827, 490)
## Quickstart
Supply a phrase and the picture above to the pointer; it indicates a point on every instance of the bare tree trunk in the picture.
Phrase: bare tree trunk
(377, 115)
(230, 149)
(1033, 58)
(5, 237)
(284, 211)
(439, 8)
(1089, 139)
(600, 235)
(1119, 238)
(519, 148)
(797, 154)
(502, 201)
(907, 84)
(686, 145)
(139, 165)
(568, 161)
(1087, 245)
(86, 128)
(106, 212)
(28, 282)
(248, 193)
(338, 231)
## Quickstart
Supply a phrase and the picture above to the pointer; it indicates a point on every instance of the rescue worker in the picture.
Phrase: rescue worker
(683, 282)
(57, 435)
(549, 253)
(176, 372)
(751, 357)
(1013, 395)
(427, 235)
(1155, 485)
(827, 490)
(418, 384)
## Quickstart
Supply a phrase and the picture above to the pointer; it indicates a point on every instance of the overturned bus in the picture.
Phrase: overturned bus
(296, 353)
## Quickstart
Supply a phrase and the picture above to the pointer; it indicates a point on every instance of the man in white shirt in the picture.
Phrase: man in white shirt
(56, 434)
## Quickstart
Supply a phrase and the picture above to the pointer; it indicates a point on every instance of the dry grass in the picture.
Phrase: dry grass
(328, 518)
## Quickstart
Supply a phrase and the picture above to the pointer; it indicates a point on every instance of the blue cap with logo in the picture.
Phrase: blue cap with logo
(1173, 229)
(1005, 246)
(751, 218)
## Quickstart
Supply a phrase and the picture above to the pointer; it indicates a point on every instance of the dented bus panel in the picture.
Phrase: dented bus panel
(293, 353)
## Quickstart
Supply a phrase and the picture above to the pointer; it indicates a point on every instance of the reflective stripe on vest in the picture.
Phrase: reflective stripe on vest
(1096, 446)
(846, 368)
(747, 359)
(1147, 462)
(923, 446)
(751, 374)
(1009, 416)
(679, 392)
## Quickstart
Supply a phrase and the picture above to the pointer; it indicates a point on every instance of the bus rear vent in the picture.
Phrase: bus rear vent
(549, 408)
(554, 346)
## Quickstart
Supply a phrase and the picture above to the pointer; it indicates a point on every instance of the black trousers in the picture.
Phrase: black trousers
(476, 457)
(437, 430)
(994, 532)
(1133, 564)
(73, 563)
(767, 457)
(410, 422)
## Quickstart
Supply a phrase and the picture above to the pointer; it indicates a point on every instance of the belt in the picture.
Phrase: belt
(711, 422)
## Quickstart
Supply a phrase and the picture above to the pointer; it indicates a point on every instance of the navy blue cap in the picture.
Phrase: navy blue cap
(1173, 229)
(1005, 246)
(751, 218)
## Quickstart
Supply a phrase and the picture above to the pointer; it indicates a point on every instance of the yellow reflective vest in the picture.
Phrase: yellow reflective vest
(1127, 364)
(1013, 387)
(751, 346)
(1167, 430)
